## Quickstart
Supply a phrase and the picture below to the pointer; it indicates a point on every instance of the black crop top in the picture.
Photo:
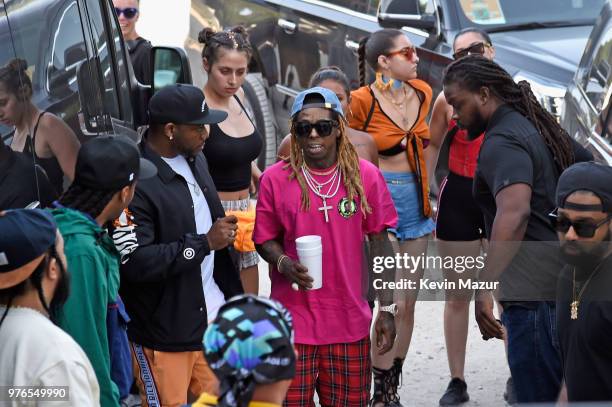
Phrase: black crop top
(50, 165)
(229, 158)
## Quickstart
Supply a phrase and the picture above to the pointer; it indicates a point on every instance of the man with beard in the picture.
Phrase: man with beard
(325, 189)
(584, 308)
(181, 267)
(106, 173)
(523, 152)
(33, 284)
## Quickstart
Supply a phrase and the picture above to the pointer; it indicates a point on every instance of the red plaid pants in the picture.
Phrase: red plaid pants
(340, 373)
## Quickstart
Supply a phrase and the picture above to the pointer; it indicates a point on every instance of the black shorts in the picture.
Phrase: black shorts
(459, 218)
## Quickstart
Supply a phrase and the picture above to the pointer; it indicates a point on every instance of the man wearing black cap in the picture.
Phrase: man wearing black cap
(33, 283)
(583, 222)
(106, 172)
(182, 269)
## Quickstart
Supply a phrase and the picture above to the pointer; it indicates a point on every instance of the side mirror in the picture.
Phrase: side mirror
(404, 13)
(170, 66)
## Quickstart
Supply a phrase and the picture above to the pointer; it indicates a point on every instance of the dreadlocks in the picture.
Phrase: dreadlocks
(347, 160)
(474, 71)
(89, 201)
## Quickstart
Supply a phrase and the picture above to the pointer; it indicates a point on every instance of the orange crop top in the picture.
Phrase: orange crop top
(367, 115)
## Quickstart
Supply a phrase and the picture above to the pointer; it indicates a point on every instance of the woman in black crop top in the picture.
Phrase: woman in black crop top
(234, 144)
(42, 135)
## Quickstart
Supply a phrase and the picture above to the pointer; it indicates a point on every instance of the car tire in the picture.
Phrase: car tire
(256, 99)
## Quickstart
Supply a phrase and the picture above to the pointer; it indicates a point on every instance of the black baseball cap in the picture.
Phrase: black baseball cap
(27, 234)
(586, 176)
(111, 163)
(182, 104)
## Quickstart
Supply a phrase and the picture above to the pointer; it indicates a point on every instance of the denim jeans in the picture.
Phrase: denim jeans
(533, 351)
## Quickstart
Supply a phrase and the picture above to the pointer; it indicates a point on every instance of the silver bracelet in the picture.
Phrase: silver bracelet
(279, 261)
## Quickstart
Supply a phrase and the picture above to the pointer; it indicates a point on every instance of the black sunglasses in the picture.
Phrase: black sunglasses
(129, 12)
(475, 49)
(582, 228)
(323, 127)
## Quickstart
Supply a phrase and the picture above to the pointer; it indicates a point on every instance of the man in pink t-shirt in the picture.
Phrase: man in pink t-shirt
(326, 190)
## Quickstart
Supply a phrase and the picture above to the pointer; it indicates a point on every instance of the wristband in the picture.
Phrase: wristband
(279, 261)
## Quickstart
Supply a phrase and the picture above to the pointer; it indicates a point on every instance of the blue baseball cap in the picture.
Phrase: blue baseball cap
(330, 98)
(25, 236)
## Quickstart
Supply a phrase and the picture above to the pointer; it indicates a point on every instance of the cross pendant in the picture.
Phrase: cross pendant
(325, 208)
(574, 310)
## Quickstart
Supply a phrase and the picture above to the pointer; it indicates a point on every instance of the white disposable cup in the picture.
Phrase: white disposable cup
(308, 242)
(312, 259)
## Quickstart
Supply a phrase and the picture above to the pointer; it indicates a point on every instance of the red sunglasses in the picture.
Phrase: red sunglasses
(408, 52)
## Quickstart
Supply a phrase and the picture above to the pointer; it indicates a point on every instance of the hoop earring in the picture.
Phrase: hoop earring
(381, 84)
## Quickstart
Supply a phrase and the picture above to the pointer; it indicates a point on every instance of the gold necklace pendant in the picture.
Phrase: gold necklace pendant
(574, 309)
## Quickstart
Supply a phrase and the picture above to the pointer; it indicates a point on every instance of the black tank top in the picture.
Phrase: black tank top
(50, 165)
(229, 158)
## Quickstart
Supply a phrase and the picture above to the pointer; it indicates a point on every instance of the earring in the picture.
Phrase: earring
(382, 83)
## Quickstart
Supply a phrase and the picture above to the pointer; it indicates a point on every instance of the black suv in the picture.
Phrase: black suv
(587, 115)
(537, 40)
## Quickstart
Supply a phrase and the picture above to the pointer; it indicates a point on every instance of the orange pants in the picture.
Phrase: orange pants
(166, 378)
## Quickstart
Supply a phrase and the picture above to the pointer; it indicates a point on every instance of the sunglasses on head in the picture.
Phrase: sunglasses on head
(474, 49)
(323, 127)
(408, 52)
(582, 228)
(129, 12)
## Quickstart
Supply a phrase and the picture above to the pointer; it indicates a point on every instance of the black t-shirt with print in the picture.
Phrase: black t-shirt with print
(586, 353)
(514, 152)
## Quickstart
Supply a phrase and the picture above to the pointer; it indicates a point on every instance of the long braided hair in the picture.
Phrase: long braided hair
(474, 71)
(89, 201)
(348, 160)
(371, 47)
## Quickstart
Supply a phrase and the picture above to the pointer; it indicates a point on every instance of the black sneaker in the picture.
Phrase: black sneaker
(456, 393)
(509, 394)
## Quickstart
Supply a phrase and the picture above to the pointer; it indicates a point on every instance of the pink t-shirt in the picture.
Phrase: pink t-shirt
(338, 312)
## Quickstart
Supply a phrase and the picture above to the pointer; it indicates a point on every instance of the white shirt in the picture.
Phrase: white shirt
(212, 294)
(35, 352)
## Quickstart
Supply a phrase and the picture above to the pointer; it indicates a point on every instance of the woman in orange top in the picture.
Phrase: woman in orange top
(393, 111)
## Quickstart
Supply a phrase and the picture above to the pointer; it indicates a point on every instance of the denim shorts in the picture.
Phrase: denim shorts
(411, 223)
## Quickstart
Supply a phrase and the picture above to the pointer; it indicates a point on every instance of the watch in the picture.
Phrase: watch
(392, 309)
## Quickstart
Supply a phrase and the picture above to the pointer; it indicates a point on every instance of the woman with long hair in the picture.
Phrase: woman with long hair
(332, 78)
(393, 110)
(44, 136)
(234, 144)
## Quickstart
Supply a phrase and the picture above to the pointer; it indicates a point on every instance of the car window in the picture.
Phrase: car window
(371, 6)
(67, 52)
(525, 11)
(102, 46)
(597, 82)
(121, 66)
(361, 6)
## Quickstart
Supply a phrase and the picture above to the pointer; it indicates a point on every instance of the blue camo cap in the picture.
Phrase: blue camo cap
(330, 101)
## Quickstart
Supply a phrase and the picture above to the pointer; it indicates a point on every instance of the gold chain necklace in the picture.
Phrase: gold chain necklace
(400, 104)
(576, 300)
